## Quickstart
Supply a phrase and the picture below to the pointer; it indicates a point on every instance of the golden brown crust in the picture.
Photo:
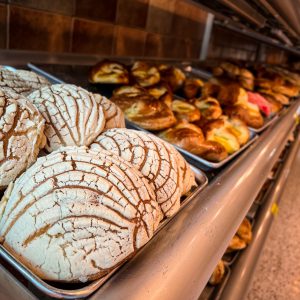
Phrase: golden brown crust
(236, 244)
(278, 97)
(210, 108)
(145, 74)
(245, 231)
(276, 106)
(192, 87)
(246, 79)
(251, 118)
(210, 89)
(162, 92)
(191, 138)
(218, 274)
(185, 111)
(109, 72)
(232, 93)
(172, 75)
(144, 110)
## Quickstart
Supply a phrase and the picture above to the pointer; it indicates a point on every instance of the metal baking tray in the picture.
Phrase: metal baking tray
(267, 186)
(267, 123)
(81, 290)
(197, 161)
(214, 292)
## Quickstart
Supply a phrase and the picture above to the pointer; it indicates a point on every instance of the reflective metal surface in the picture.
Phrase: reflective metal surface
(180, 258)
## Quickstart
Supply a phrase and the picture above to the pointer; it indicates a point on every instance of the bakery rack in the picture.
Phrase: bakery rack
(178, 261)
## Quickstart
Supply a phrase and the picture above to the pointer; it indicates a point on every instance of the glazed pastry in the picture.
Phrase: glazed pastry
(21, 135)
(210, 108)
(218, 274)
(246, 79)
(109, 72)
(130, 91)
(261, 102)
(211, 89)
(236, 244)
(217, 131)
(192, 87)
(143, 109)
(172, 75)
(190, 137)
(284, 100)
(76, 214)
(227, 70)
(245, 231)
(145, 74)
(114, 117)
(185, 111)
(162, 92)
(153, 159)
(11, 82)
(32, 79)
(275, 105)
(73, 116)
(232, 94)
(238, 128)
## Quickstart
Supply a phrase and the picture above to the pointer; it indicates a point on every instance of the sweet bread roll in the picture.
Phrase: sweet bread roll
(288, 89)
(32, 79)
(275, 105)
(109, 72)
(153, 158)
(231, 94)
(114, 117)
(143, 109)
(73, 116)
(21, 135)
(145, 74)
(76, 214)
(245, 231)
(246, 79)
(236, 244)
(218, 274)
(251, 117)
(227, 70)
(190, 137)
(264, 106)
(217, 131)
(284, 100)
(130, 91)
(192, 87)
(210, 88)
(161, 91)
(185, 111)
(172, 75)
(210, 108)
(11, 82)
(238, 128)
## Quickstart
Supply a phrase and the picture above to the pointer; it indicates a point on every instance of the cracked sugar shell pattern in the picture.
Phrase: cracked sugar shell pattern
(73, 116)
(21, 135)
(77, 213)
(154, 158)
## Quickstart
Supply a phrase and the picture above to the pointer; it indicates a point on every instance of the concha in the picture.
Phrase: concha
(21, 135)
(158, 161)
(77, 213)
(73, 116)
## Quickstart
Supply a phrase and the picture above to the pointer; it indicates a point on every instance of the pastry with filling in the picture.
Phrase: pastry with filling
(236, 244)
(185, 111)
(107, 72)
(161, 91)
(192, 87)
(145, 74)
(218, 274)
(172, 75)
(245, 231)
(209, 107)
(77, 213)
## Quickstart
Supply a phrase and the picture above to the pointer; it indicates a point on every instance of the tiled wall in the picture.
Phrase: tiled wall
(150, 28)
(163, 28)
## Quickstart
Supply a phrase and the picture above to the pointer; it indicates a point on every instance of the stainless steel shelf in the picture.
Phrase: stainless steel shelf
(177, 263)
(243, 269)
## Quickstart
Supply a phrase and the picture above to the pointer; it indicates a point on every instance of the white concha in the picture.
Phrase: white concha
(114, 117)
(21, 135)
(157, 161)
(32, 79)
(73, 116)
(10, 81)
(78, 213)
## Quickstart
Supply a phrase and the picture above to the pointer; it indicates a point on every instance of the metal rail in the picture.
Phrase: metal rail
(179, 260)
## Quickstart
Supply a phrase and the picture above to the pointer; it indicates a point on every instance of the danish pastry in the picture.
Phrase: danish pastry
(145, 74)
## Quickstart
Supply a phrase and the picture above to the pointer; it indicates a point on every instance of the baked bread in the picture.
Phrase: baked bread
(192, 87)
(218, 274)
(73, 116)
(21, 135)
(231, 94)
(143, 109)
(236, 244)
(114, 117)
(145, 74)
(11, 82)
(153, 158)
(209, 107)
(162, 92)
(172, 75)
(108, 71)
(185, 111)
(284, 100)
(32, 79)
(275, 105)
(76, 214)
(246, 79)
(228, 70)
(245, 231)
(211, 89)
(217, 131)
(190, 137)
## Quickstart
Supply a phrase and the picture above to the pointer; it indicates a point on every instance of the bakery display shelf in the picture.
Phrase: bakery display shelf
(198, 161)
(74, 291)
(191, 244)
(243, 269)
(215, 291)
